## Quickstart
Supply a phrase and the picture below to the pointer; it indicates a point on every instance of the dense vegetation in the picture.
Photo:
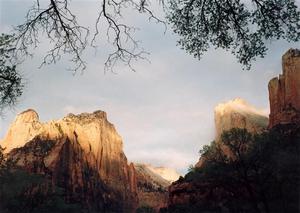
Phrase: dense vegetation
(248, 173)
(242, 27)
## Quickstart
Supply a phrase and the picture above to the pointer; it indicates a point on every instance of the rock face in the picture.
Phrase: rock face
(284, 91)
(25, 127)
(152, 186)
(167, 173)
(238, 113)
(81, 153)
(284, 95)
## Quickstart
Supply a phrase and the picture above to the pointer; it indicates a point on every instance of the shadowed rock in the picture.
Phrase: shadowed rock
(81, 153)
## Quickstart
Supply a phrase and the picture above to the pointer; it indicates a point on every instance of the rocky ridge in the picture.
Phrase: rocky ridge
(78, 153)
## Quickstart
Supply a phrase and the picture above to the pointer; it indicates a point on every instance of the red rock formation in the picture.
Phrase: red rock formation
(236, 113)
(81, 153)
(284, 95)
(284, 91)
(152, 186)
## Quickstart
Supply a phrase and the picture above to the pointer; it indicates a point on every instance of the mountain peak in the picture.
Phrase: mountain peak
(238, 113)
(167, 174)
(238, 105)
(78, 147)
(29, 115)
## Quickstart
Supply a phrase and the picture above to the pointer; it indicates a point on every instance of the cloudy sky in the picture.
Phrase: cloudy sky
(164, 110)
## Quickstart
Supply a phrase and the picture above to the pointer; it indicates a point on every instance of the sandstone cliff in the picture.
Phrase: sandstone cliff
(236, 113)
(168, 174)
(284, 91)
(284, 95)
(152, 185)
(81, 153)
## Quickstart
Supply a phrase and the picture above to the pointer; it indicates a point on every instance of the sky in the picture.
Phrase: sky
(165, 110)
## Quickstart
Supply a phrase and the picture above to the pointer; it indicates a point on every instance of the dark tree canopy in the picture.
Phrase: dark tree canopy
(243, 27)
(10, 80)
(259, 173)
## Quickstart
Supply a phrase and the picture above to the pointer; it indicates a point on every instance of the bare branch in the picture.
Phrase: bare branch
(60, 26)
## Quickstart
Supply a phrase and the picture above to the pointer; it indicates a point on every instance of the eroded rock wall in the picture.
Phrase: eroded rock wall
(284, 91)
(85, 156)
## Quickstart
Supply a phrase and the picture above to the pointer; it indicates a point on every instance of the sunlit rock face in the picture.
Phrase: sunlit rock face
(168, 174)
(152, 185)
(238, 113)
(82, 153)
(25, 127)
(284, 95)
(284, 91)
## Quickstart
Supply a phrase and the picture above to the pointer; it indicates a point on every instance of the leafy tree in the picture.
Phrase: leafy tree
(10, 80)
(257, 173)
(243, 27)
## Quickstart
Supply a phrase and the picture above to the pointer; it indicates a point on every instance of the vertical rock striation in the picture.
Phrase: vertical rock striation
(284, 91)
(81, 153)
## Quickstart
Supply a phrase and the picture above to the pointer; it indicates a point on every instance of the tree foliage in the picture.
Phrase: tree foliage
(243, 27)
(260, 173)
(10, 80)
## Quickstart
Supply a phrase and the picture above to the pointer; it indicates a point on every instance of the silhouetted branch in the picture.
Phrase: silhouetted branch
(60, 26)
